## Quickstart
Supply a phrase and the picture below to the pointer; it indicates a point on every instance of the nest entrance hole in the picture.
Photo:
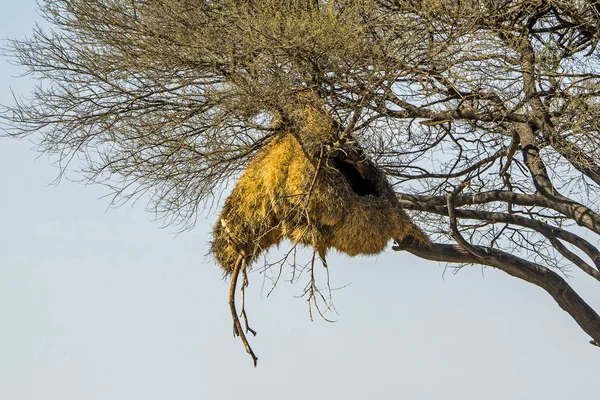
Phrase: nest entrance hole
(359, 184)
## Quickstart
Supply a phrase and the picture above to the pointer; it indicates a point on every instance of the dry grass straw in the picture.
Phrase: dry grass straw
(312, 187)
(281, 195)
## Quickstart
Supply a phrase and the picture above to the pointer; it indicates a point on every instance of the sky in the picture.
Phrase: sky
(101, 303)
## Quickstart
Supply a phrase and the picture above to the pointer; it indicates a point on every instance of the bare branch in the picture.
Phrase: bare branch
(540, 276)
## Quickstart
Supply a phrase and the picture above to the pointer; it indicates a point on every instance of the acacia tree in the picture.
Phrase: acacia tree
(483, 113)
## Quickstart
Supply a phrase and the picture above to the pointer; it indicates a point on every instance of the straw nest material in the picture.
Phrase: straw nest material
(312, 188)
(311, 184)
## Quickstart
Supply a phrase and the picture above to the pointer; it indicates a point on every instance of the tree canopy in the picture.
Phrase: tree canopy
(482, 113)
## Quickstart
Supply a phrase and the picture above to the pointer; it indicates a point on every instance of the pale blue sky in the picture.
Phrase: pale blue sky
(102, 304)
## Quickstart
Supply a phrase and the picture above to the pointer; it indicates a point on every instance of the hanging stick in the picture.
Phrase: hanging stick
(240, 264)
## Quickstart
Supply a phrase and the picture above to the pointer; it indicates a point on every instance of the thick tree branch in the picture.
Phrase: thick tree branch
(462, 113)
(542, 121)
(582, 215)
(552, 233)
(551, 282)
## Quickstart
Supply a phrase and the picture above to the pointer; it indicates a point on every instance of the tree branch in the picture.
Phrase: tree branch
(551, 282)
(581, 214)
(552, 233)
